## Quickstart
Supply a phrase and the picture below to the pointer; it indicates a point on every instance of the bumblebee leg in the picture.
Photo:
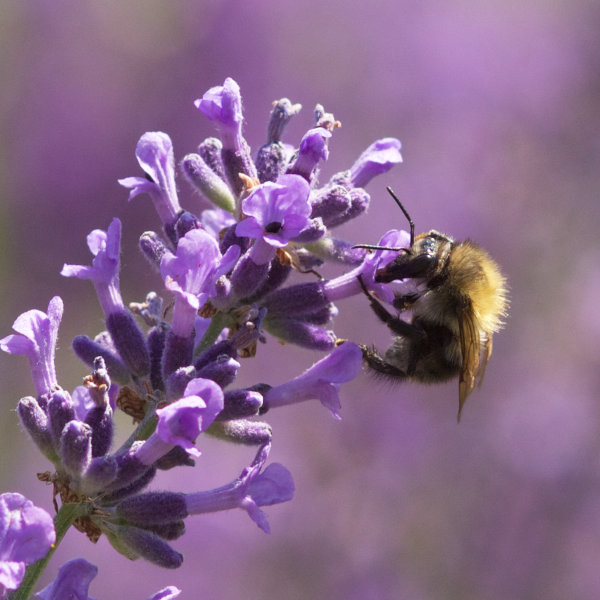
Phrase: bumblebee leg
(376, 362)
(395, 323)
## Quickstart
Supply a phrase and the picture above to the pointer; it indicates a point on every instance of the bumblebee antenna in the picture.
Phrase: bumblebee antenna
(410, 221)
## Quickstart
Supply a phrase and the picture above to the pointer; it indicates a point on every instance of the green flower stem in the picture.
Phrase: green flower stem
(217, 324)
(62, 521)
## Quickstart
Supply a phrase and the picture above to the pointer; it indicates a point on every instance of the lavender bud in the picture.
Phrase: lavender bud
(149, 546)
(153, 248)
(178, 380)
(87, 350)
(278, 273)
(315, 231)
(156, 345)
(301, 333)
(210, 152)
(271, 161)
(178, 353)
(240, 404)
(330, 203)
(153, 508)
(247, 276)
(133, 487)
(168, 531)
(35, 422)
(222, 371)
(60, 412)
(297, 300)
(129, 341)
(203, 178)
(240, 431)
(99, 418)
(76, 447)
(283, 110)
(99, 474)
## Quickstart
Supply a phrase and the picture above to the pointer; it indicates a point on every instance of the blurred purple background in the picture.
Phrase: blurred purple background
(497, 105)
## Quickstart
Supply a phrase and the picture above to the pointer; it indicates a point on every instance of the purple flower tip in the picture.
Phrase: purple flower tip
(378, 158)
(36, 337)
(181, 422)
(222, 103)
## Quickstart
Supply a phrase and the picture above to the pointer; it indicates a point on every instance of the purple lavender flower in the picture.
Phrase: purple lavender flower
(104, 272)
(312, 150)
(180, 423)
(378, 158)
(192, 275)
(26, 535)
(253, 488)
(154, 153)
(276, 213)
(322, 381)
(223, 105)
(36, 337)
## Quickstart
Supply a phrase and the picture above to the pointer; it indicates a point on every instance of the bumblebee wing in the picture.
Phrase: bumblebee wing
(470, 347)
(487, 353)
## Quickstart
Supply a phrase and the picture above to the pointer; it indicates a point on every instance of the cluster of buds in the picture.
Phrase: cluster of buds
(224, 273)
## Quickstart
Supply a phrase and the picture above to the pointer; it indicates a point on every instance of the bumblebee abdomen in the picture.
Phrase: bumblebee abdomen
(473, 273)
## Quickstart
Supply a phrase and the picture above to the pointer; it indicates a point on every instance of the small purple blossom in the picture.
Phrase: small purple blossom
(181, 422)
(312, 150)
(252, 489)
(276, 213)
(192, 275)
(26, 535)
(36, 337)
(378, 158)
(104, 272)
(154, 153)
(223, 105)
(322, 381)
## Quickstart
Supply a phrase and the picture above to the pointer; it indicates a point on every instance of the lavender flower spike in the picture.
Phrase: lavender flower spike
(252, 489)
(36, 338)
(154, 152)
(26, 535)
(321, 381)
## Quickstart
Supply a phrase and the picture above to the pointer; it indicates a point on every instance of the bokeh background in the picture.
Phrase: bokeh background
(497, 105)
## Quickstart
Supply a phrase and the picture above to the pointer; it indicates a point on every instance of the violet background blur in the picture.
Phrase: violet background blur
(497, 106)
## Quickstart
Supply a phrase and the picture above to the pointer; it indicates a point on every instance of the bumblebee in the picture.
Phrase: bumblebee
(460, 302)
